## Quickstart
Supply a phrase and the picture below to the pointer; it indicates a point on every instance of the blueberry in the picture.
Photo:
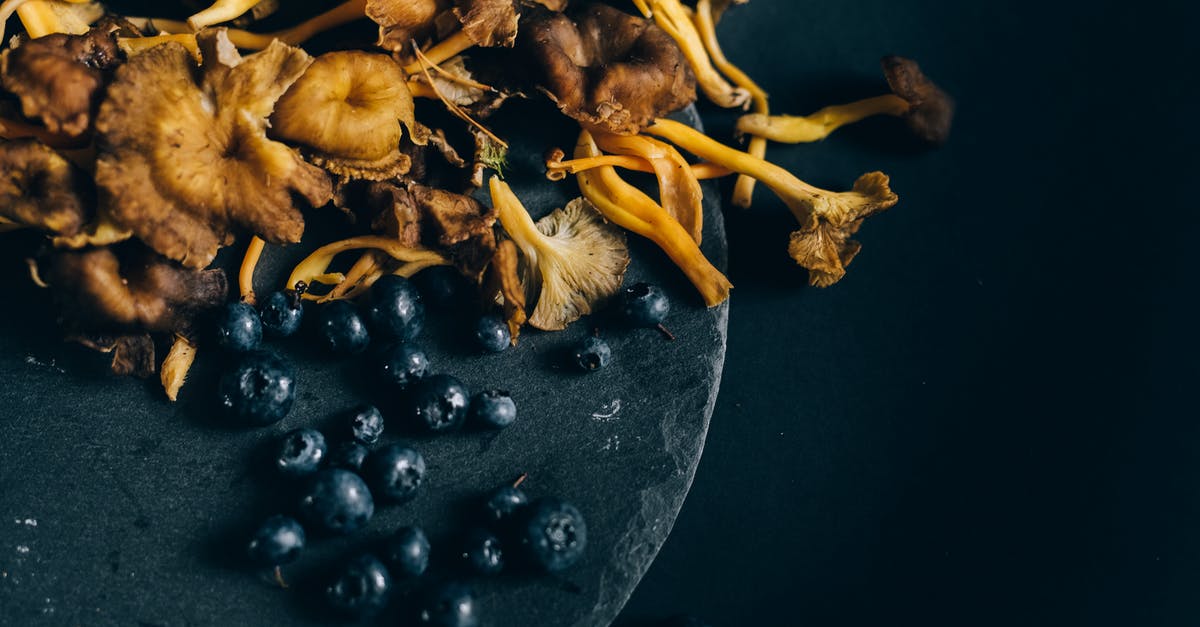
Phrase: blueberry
(491, 332)
(396, 472)
(361, 587)
(503, 504)
(338, 501)
(554, 534)
(402, 364)
(395, 310)
(260, 388)
(407, 552)
(442, 287)
(348, 456)
(591, 354)
(300, 452)
(436, 403)
(492, 408)
(279, 540)
(482, 553)
(342, 329)
(237, 328)
(450, 604)
(366, 424)
(643, 305)
(281, 313)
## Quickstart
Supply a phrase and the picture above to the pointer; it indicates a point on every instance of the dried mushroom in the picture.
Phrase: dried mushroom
(60, 78)
(182, 162)
(506, 275)
(928, 111)
(132, 354)
(46, 17)
(39, 188)
(489, 23)
(461, 225)
(136, 290)
(575, 259)
(608, 69)
(350, 108)
(403, 21)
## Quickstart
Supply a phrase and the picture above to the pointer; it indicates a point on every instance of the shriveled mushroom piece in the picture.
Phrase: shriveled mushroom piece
(350, 107)
(60, 78)
(132, 354)
(461, 225)
(403, 21)
(606, 68)
(98, 289)
(182, 162)
(39, 188)
(928, 111)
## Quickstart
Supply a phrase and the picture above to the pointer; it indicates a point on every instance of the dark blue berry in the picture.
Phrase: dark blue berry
(554, 535)
(482, 553)
(361, 588)
(237, 328)
(591, 354)
(300, 452)
(407, 552)
(643, 305)
(493, 408)
(395, 309)
(437, 403)
(342, 328)
(260, 388)
(338, 501)
(366, 424)
(281, 313)
(402, 364)
(450, 604)
(395, 472)
(503, 505)
(491, 332)
(348, 456)
(278, 541)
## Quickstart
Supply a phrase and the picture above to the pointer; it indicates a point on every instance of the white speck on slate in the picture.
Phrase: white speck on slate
(608, 412)
(34, 361)
(28, 522)
(613, 443)
(22, 549)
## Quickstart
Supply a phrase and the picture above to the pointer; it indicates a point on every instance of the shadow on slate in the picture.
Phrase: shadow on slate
(118, 507)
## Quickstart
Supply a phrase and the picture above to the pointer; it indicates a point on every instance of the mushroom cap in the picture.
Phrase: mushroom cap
(402, 21)
(60, 78)
(489, 23)
(40, 188)
(608, 69)
(822, 244)
(931, 110)
(349, 107)
(183, 159)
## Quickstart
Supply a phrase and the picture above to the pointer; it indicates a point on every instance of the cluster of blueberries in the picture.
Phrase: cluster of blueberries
(341, 485)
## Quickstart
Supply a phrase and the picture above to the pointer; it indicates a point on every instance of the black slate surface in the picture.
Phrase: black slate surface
(118, 507)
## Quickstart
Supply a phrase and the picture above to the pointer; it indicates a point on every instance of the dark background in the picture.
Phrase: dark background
(988, 421)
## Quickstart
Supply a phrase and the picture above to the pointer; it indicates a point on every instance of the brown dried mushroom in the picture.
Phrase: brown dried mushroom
(39, 188)
(608, 69)
(459, 225)
(348, 107)
(182, 162)
(403, 21)
(60, 78)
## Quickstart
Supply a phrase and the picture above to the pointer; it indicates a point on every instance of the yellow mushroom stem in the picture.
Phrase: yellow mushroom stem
(800, 197)
(421, 89)
(442, 51)
(678, 189)
(45, 17)
(627, 207)
(557, 169)
(175, 367)
(294, 36)
(367, 265)
(246, 272)
(314, 268)
(41, 11)
(673, 18)
(817, 126)
(643, 8)
(743, 188)
(134, 45)
(220, 11)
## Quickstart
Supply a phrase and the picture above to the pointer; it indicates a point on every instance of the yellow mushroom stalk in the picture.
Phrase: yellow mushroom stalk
(136, 45)
(791, 129)
(246, 272)
(341, 14)
(175, 367)
(557, 168)
(45, 17)
(440, 52)
(314, 268)
(678, 188)
(673, 18)
(220, 11)
(627, 207)
(743, 188)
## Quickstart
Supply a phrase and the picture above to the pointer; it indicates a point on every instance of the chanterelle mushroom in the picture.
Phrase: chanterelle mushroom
(39, 188)
(60, 78)
(402, 21)
(349, 107)
(608, 69)
(183, 161)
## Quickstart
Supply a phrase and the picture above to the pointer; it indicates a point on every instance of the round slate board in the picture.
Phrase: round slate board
(119, 507)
